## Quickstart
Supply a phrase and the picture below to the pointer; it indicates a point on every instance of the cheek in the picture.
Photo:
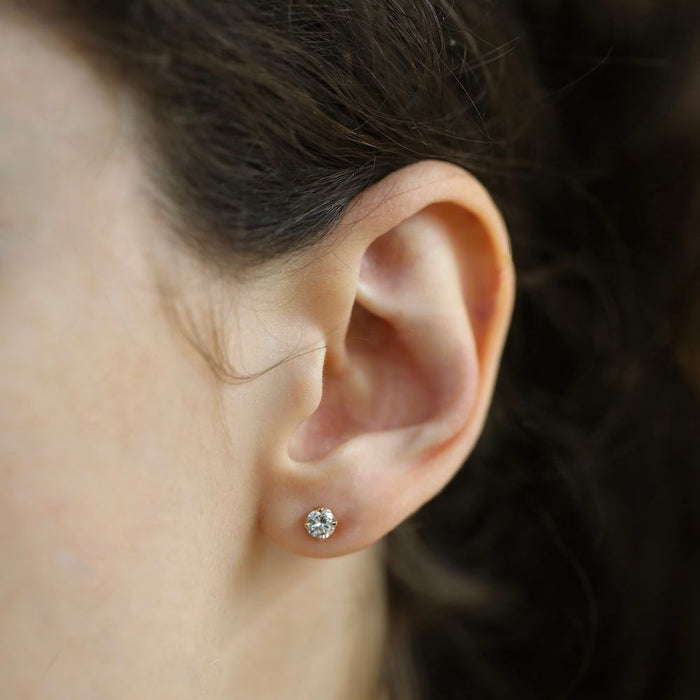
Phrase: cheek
(82, 525)
(103, 533)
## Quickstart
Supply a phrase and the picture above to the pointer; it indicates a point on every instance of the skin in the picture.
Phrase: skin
(150, 514)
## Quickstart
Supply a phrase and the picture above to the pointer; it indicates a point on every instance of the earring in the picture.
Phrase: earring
(321, 523)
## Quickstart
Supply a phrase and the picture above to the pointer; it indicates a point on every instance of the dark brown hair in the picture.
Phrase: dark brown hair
(561, 561)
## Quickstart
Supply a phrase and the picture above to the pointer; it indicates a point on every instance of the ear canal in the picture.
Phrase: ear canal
(408, 356)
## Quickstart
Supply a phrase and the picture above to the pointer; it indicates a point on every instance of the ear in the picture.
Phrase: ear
(413, 302)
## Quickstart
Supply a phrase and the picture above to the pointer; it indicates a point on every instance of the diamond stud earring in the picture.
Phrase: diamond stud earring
(321, 523)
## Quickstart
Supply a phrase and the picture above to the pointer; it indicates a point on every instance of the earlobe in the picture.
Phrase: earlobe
(414, 335)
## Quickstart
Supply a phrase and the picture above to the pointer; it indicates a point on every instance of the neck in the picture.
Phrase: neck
(309, 627)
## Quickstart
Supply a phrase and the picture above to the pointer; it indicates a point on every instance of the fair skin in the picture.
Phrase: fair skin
(151, 514)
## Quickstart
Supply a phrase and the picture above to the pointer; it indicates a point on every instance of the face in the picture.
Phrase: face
(150, 514)
(115, 476)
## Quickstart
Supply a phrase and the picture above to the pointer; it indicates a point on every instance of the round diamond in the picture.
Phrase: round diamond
(320, 523)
